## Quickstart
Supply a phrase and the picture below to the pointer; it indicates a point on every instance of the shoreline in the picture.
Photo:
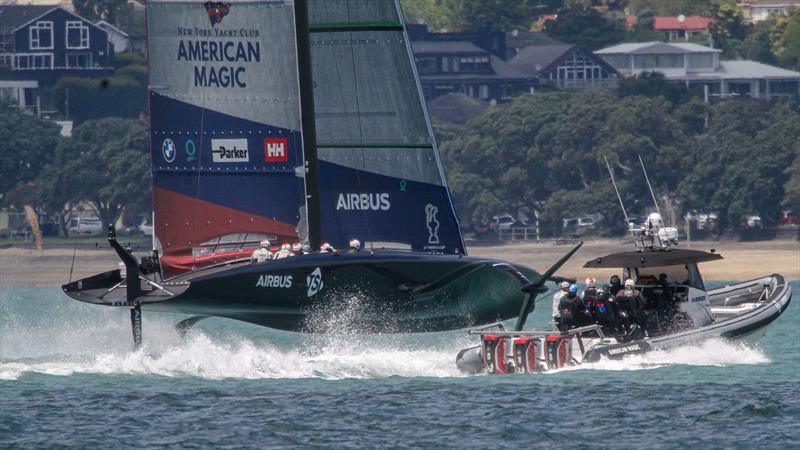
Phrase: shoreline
(23, 267)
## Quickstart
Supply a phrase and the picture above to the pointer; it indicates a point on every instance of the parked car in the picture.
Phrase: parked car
(578, 226)
(91, 226)
(752, 222)
(787, 217)
(504, 222)
(146, 228)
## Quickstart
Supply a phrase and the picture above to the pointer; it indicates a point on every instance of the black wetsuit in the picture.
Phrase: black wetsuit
(631, 302)
(573, 312)
(604, 312)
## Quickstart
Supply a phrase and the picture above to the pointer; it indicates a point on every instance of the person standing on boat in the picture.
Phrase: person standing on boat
(616, 285)
(327, 248)
(284, 252)
(589, 293)
(557, 300)
(573, 313)
(604, 312)
(262, 253)
(630, 301)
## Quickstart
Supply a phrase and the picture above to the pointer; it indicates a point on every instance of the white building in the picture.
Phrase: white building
(20, 93)
(696, 65)
(119, 39)
(757, 10)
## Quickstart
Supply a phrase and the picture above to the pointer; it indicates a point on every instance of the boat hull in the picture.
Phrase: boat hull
(386, 292)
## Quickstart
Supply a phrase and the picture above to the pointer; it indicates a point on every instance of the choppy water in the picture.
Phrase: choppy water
(69, 378)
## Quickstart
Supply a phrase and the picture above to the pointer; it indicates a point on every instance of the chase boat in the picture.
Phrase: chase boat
(677, 313)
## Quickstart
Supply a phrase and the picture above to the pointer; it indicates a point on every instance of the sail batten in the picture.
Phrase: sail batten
(226, 134)
(380, 176)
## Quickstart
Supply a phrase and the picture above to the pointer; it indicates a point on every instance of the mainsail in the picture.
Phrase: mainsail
(380, 176)
(227, 147)
(226, 137)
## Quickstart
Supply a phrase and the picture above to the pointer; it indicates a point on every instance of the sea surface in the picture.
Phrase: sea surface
(68, 378)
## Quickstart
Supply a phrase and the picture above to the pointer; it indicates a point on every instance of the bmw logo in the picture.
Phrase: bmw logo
(168, 150)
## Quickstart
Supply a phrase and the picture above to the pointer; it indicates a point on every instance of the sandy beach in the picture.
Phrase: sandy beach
(743, 260)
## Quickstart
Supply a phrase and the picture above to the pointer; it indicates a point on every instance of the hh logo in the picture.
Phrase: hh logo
(276, 149)
(216, 11)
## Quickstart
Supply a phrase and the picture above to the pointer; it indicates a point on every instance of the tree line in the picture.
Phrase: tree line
(547, 152)
(105, 163)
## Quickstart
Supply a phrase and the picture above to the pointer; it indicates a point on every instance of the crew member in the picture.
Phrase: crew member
(604, 312)
(305, 248)
(262, 253)
(631, 303)
(616, 285)
(355, 245)
(573, 313)
(297, 249)
(284, 252)
(326, 248)
(557, 299)
(589, 293)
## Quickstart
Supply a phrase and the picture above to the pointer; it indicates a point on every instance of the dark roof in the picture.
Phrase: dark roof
(14, 16)
(520, 39)
(652, 258)
(438, 47)
(534, 59)
(500, 70)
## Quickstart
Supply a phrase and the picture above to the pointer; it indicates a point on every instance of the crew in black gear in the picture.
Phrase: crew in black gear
(604, 312)
(573, 313)
(630, 305)
(616, 285)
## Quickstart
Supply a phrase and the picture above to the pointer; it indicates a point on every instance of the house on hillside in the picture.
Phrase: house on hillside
(682, 28)
(755, 11)
(565, 66)
(44, 43)
(120, 40)
(447, 67)
(696, 65)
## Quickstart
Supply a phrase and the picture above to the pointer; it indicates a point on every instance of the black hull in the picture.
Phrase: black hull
(386, 292)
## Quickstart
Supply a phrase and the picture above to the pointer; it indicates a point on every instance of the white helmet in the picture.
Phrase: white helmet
(591, 282)
(264, 244)
(296, 247)
(325, 247)
(355, 244)
(286, 246)
(629, 283)
(655, 220)
(565, 285)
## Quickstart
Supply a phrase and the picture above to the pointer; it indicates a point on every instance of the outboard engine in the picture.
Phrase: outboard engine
(558, 351)
(494, 353)
(527, 352)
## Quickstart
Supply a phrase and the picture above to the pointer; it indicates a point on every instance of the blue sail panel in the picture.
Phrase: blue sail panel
(226, 139)
(373, 131)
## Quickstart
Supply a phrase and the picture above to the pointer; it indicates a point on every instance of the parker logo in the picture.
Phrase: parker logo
(274, 281)
(216, 11)
(229, 150)
(363, 202)
(276, 149)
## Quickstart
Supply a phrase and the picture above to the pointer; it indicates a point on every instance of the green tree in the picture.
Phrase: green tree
(740, 163)
(27, 144)
(728, 28)
(788, 45)
(791, 198)
(581, 25)
(499, 14)
(108, 10)
(109, 157)
(671, 7)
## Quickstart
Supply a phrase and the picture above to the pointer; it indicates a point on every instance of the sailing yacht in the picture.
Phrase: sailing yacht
(299, 120)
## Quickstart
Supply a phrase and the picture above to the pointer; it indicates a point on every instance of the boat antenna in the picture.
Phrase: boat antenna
(627, 221)
(648, 185)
